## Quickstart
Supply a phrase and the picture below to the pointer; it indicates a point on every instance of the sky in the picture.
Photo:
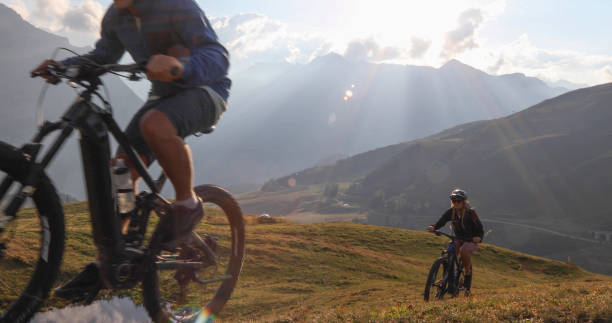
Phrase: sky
(550, 39)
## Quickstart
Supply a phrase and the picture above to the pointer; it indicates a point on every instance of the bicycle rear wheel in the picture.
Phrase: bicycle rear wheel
(216, 249)
(33, 243)
(436, 280)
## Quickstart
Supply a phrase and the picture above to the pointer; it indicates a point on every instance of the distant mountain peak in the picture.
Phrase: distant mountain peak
(16, 30)
(331, 58)
(7, 12)
(456, 65)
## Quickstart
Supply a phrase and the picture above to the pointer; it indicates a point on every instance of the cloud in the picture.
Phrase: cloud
(462, 38)
(20, 7)
(419, 47)
(607, 73)
(86, 17)
(369, 50)
(252, 37)
(79, 22)
(524, 57)
(493, 69)
(49, 13)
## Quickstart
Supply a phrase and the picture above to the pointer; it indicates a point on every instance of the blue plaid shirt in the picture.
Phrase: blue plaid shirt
(176, 28)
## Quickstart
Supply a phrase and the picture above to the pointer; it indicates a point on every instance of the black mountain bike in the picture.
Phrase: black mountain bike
(190, 283)
(446, 274)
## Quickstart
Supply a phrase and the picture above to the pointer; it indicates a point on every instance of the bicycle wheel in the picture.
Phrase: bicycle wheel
(458, 280)
(436, 280)
(34, 244)
(216, 250)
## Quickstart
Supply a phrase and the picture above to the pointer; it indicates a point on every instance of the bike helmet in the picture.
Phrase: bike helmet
(458, 194)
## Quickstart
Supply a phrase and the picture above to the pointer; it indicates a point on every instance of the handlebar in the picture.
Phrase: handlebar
(453, 238)
(88, 71)
(440, 233)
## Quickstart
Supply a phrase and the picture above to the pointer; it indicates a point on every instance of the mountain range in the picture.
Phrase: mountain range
(539, 170)
(302, 115)
(281, 117)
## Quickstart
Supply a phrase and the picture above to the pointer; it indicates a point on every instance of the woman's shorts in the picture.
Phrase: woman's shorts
(464, 245)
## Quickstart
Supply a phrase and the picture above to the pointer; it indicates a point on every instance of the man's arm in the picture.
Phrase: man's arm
(207, 59)
(109, 48)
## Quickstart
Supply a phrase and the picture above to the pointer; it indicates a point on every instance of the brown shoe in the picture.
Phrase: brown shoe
(178, 224)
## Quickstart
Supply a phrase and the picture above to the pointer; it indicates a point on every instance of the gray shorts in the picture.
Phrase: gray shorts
(190, 111)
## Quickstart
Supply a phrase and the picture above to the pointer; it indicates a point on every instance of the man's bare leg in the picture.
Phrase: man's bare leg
(170, 149)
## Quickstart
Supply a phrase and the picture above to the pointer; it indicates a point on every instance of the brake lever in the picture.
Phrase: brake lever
(53, 79)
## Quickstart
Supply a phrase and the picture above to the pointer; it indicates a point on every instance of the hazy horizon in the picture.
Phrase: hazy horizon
(552, 40)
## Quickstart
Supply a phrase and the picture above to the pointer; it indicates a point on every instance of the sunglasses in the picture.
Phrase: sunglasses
(456, 200)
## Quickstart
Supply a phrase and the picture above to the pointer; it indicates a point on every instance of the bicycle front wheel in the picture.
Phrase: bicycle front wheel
(459, 281)
(32, 244)
(436, 280)
(216, 252)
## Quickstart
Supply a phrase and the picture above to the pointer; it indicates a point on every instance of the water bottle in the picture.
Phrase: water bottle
(126, 201)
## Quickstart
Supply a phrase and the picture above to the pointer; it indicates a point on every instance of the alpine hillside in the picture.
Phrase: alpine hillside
(284, 118)
(541, 174)
(347, 272)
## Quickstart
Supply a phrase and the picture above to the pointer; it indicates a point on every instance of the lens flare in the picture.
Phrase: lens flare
(348, 94)
(205, 317)
(332, 119)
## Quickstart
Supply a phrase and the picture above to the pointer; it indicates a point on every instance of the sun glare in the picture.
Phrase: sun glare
(396, 22)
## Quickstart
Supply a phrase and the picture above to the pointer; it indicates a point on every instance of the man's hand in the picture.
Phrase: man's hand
(161, 68)
(476, 240)
(42, 68)
(431, 228)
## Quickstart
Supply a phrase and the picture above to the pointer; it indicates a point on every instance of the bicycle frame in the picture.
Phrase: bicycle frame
(94, 124)
(454, 260)
(454, 266)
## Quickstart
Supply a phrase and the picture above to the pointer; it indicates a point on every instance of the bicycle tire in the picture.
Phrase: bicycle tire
(51, 215)
(439, 266)
(223, 199)
(458, 280)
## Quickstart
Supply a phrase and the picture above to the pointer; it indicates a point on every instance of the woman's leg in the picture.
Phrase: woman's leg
(466, 258)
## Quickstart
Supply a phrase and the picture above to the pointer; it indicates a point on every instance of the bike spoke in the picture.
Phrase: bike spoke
(212, 280)
(174, 265)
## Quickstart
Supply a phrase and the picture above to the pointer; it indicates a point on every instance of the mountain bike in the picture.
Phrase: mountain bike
(446, 274)
(188, 283)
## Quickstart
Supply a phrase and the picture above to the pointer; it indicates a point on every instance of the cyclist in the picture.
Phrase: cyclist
(467, 228)
(187, 67)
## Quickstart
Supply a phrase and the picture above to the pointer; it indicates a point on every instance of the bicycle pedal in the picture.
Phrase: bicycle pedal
(172, 246)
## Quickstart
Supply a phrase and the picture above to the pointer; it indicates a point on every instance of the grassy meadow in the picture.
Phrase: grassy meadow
(337, 272)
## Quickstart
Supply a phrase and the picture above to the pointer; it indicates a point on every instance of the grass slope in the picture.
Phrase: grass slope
(361, 273)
